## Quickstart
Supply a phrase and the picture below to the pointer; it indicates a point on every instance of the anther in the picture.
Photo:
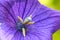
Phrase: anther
(28, 19)
(30, 23)
(24, 32)
(20, 19)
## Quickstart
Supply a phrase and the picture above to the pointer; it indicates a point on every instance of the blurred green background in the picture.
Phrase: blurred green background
(54, 4)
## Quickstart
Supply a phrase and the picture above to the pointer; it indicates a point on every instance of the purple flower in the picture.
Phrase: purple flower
(27, 20)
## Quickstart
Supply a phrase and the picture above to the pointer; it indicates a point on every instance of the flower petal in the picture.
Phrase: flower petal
(46, 20)
(46, 23)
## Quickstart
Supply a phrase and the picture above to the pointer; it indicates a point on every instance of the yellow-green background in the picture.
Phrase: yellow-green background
(54, 4)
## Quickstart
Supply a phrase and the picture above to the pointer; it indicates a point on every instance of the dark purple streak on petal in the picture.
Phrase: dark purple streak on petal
(10, 4)
(7, 30)
(44, 32)
(38, 12)
(29, 6)
(36, 35)
(17, 36)
(24, 8)
(46, 22)
(9, 13)
(30, 12)
(18, 7)
(6, 19)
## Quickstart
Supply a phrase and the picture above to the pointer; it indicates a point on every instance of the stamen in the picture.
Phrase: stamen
(28, 19)
(20, 19)
(24, 32)
(30, 23)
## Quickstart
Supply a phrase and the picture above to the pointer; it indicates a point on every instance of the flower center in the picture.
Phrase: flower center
(21, 26)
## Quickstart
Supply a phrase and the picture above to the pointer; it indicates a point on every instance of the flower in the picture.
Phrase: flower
(27, 20)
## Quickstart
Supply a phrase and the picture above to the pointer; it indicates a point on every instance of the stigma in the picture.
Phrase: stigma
(21, 25)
